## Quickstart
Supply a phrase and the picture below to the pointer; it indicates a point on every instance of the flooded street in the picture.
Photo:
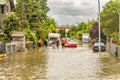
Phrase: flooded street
(60, 64)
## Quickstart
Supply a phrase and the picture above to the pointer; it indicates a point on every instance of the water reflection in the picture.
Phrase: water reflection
(60, 64)
(109, 67)
(81, 64)
(24, 66)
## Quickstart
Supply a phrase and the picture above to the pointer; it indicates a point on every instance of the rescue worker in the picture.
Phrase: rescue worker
(41, 42)
(46, 42)
(63, 42)
(57, 43)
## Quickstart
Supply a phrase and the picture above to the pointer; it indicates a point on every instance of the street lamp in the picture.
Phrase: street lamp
(99, 25)
(118, 15)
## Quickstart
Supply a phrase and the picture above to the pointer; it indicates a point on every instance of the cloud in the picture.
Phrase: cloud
(72, 11)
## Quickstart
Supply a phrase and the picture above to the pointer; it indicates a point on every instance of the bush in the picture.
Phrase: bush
(31, 36)
(116, 52)
(119, 42)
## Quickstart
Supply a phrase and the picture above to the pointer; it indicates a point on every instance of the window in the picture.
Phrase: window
(1, 9)
(7, 8)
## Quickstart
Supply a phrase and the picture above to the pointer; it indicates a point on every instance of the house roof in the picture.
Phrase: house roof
(18, 34)
(64, 26)
(2, 2)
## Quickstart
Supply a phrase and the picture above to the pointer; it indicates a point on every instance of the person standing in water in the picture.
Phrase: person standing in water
(63, 42)
(57, 43)
(45, 42)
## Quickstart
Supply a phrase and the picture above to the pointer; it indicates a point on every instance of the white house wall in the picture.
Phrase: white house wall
(5, 8)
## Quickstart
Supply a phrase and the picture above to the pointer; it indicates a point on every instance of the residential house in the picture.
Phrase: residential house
(6, 6)
(66, 27)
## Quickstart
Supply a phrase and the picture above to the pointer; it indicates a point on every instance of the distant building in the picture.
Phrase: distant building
(66, 27)
(6, 6)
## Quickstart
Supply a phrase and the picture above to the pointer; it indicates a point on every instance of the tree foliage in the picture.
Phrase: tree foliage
(94, 33)
(30, 36)
(110, 17)
(82, 27)
(10, 23)
(79, 35)
(89, 25)
(31, 18)
(62, 33)
(48, 26)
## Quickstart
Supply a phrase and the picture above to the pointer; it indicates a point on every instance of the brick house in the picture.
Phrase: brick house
(6, 6)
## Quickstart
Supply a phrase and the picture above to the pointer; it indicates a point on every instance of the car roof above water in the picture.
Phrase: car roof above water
(97, 43)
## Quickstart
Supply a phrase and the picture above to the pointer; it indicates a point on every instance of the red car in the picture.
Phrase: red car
(71, 44)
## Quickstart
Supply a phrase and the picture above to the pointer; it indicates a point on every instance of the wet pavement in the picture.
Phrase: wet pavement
(60, 64)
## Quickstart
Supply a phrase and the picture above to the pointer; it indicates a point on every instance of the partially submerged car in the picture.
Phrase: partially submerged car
(71, 44)
(96, 47)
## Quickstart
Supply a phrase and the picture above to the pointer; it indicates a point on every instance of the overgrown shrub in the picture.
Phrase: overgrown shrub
(30, 36)
(116, 52)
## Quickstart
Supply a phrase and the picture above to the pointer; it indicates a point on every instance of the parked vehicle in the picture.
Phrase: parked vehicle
(52, 37)
(96, 47)
(71, 44)
(85, 37)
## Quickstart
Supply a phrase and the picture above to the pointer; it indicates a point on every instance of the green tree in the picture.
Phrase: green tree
(82, 26)
(79, 35)
(62, 32)
(33, 16)
(30, 36)
(73, 34)
(110, 18)
(20, 12)
(44, 8)
(47, 27)
(32, 11)
(90, 25)
(74, 28)
(11, 24)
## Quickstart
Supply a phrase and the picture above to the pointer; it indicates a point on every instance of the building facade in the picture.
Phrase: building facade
(65, 27)
(6, 6)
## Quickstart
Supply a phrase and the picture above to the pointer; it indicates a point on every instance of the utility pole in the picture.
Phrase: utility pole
(99, 25)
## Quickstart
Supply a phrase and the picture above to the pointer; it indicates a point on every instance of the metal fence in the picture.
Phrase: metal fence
(113, 49)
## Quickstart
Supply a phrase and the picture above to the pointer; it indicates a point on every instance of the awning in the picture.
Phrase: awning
(54, 35)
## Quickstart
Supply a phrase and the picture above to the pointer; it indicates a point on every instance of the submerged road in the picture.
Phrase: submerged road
(60, 64)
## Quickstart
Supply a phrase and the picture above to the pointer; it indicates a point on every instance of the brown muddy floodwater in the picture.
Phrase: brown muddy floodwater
(60, 64)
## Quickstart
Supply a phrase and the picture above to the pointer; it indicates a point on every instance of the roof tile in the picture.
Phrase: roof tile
(18, 34)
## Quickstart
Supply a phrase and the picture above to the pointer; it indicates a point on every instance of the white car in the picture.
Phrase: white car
(96, 47)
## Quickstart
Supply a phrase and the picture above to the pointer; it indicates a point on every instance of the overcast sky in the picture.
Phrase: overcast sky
(74, 11)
